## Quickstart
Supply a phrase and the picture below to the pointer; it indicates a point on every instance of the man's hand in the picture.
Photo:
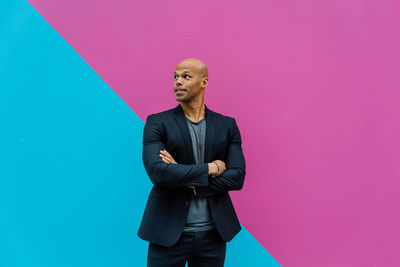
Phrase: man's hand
(216, 167)
(166, 157)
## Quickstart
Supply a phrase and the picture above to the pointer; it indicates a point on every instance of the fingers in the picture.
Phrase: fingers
(166, 160)
(221, 166)
(166, 157)
(222, 169)
(166, 153)
(221, 163)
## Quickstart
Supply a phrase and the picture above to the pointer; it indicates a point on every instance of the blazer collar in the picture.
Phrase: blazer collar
(210, 133)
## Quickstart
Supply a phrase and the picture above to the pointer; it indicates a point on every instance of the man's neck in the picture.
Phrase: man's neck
(194, 111)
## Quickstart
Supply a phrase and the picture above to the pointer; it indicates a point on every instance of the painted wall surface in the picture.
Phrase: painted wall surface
(314, 86)
(72, 185)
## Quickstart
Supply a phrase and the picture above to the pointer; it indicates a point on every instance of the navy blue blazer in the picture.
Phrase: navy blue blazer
(168, 203)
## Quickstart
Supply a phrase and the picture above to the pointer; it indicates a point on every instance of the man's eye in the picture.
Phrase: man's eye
(187, 76)
(175, 77)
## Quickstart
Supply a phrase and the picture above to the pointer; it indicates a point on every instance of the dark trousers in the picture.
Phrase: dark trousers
(199, 249)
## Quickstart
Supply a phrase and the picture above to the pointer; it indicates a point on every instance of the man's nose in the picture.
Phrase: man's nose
(178, 81)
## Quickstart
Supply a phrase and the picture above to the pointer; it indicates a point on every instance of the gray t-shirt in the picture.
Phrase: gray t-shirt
(198, 218)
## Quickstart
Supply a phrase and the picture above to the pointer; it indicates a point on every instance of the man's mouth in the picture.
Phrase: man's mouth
(179, 90)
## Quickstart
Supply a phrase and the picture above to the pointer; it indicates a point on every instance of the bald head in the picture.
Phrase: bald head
(194, 64)
(190, 81)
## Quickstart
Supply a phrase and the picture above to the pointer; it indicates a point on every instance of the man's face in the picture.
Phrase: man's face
(188, 82)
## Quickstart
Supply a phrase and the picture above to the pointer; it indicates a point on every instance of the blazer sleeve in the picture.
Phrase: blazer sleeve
(167, 174)
(233, 177)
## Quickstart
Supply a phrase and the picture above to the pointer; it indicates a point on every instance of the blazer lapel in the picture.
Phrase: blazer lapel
(180, 119)
(210, 134)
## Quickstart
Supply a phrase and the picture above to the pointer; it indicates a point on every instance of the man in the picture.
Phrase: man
(193, 157)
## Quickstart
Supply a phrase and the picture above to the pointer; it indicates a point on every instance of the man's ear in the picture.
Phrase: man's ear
(204, 82)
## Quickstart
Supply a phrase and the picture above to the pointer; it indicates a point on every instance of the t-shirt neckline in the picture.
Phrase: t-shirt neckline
(195, 122)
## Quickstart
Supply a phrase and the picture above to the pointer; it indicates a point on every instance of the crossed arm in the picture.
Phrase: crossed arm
(163, 170)
(215, 168)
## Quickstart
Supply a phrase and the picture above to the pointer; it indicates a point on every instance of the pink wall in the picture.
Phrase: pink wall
(314, 86)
